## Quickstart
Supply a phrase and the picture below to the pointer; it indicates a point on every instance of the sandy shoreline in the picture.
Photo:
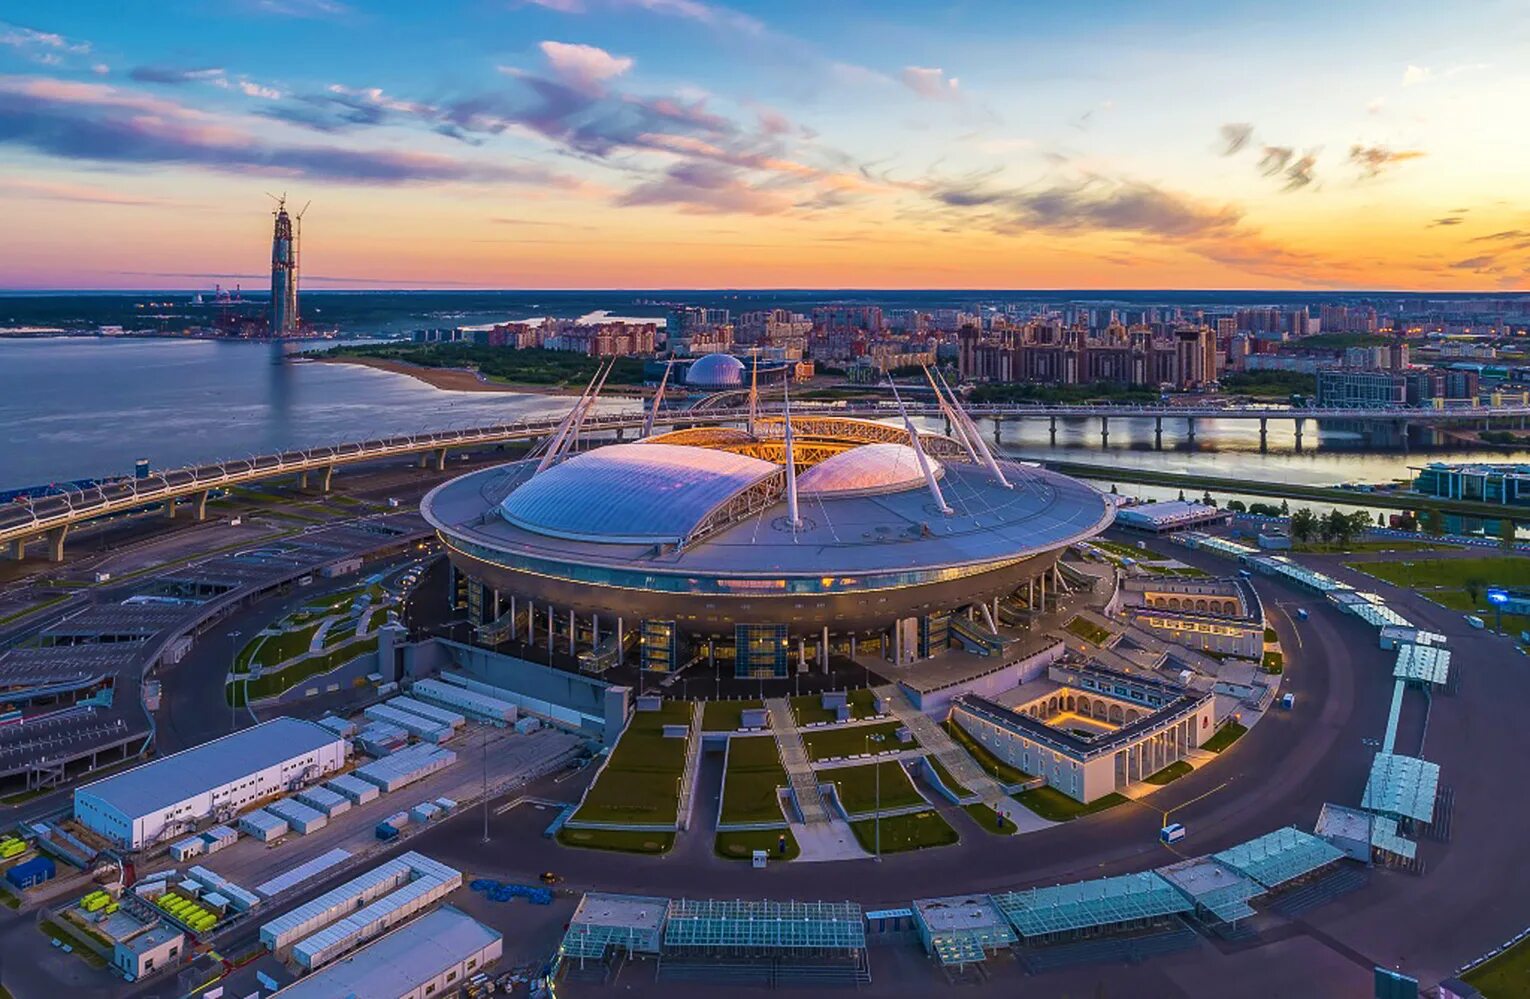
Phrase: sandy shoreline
(449, 379)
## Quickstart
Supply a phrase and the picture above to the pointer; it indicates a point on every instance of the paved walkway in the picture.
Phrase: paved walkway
(957, 761)
(794, 757)
(831, 839)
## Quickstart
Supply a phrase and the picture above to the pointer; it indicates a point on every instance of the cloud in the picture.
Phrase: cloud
(561, 6)
(1376, 106)
(1414, 75)
(1299, 173)
(98, 123)
(83, 193)
(1094, 204)
(1507, 234)
(707, 14)
(1482, 263)
(584, 66)
(1447, 220)
(706, 188)
(1372, 160)
(174, 76)
(46, 48)
(300, 8)
(1236, 135)
(930, 83)
(1282, 161)
(1274, 159)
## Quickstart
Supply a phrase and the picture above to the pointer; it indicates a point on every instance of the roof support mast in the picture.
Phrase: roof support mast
(792, 514)
(658, 396)
(754, 388)
(977, 438)
(924, 462)
(561, 433)
(958, 426)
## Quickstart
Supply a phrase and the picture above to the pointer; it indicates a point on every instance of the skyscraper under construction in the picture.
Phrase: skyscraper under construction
(284, 274)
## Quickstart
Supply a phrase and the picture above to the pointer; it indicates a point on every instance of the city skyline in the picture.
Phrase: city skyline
(683, 144)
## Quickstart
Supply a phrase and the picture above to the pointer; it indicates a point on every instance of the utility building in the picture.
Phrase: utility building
(170, 796)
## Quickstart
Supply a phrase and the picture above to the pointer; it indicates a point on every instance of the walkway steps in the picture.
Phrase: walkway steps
(934, 739)
(794, 757)
(692, 768)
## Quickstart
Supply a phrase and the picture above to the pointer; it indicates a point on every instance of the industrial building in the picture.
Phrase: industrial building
(1221, 616)
(1170, 515)
(769, 547)
(1089, 731)
(427, 957)
(170, 796)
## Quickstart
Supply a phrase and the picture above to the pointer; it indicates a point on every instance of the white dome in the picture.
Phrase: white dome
(870, 468)
(631, 492)
(718, 371)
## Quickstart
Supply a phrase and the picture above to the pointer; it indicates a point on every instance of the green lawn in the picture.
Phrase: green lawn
(1451, 573)
(1174, 771)
(1506, 976)
(274, 649)
(1088, 631)
(741, 845)
(858, 787)
(271, 684)
(1273, 662)
(951, 783)
(749, 786)
(989, 820)
(899, 833)
(621, 840)
(1052, 804)
(1356, 547)
(1122, 549)
(825, 744)
(1270, 636)
(1225, 736)
(808, 707)
(724, 716)
(997, 768)
(641, 784)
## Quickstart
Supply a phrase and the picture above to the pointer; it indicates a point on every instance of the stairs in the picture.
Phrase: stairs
(794, 757)
(692, 767)
(957, 761)
(975, 638)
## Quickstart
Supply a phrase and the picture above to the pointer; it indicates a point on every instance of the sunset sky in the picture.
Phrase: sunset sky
(834, 143)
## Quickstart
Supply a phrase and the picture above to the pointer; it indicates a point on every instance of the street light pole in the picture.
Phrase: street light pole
(486, 782)
(233, 654)
(877, 819)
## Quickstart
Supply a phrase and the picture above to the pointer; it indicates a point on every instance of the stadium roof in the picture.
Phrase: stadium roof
(1402, 786)
(172, 779)
(764, 925)
(1279, 856)
(1422, 664)
(1086, 904)
(871, 468)
(645, 493)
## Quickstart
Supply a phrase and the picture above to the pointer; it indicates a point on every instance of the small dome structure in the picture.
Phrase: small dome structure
(870, 468)
(716, 371)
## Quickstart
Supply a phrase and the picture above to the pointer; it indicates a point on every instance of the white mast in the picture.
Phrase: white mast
(589, 406)
(791, 464)
(754, 388)
(924, 462)
(653, 413)
(977, 438)
(957, 426)
(563, 428)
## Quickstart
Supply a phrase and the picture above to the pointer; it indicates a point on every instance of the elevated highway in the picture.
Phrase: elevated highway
(49, 517)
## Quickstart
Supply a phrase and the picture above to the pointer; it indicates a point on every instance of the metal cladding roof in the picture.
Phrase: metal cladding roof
(764, 925)
(172, 779)
(398, 961)
(1402, 786)
(645, 493)
(1422, 663)
(870, 468)
(716, 371)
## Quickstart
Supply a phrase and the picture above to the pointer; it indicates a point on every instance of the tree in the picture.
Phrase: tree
(1474, 587)
(1113, 490)
(1432, 522)
(1208, 500)
(1360, 522)
(1181, 495)
(1506, 537)
(1303, 524)
(1381, 519)
(1237, 506)
(1339, 527)
(1285, 508)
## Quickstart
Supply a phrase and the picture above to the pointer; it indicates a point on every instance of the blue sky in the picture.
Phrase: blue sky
(633, 143)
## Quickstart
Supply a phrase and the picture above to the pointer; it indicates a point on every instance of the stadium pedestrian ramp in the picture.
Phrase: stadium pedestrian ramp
(794, 757)
(957, 761)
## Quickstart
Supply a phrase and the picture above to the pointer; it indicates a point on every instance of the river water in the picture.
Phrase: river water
(80, 407)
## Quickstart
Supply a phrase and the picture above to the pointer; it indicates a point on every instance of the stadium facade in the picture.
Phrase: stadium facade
(876, 539)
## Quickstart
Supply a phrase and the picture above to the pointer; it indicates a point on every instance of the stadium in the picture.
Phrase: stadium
(876, 539)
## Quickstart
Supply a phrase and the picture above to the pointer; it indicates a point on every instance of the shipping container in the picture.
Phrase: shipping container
(358, 892)
(340, 726)
(358, 791)
(323, 799)
(421, 728)
(406, 766)
(424, 812)
(386, 831)
(301, 819)
(263, 825)
(429, 712)
(473, 703)
(219, 838)
(188, 848)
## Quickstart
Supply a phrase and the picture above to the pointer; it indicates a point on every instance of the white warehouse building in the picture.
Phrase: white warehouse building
(171, 795)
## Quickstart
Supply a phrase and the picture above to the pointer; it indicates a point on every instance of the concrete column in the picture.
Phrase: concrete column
(424, 460)
(823, 650)
(1030, 594)
(1264, 433)
(1190, 427)
(302, 480)
(1299, 422)
(621, 643)
(19, 549)
(199, 504)
(440, 456)
(512, 618)
(998, 425)
(325, 475)
(573, 630)
(801, 653)
(169, 509)
(56, 543)
(551, 628)
(1104, 428)
(852, 646)
(595, 631)
(1053, 428)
